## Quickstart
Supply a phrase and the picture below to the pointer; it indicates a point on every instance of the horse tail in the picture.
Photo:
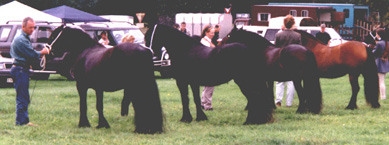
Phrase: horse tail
(145, 97)
(311, 81)
(370, 75)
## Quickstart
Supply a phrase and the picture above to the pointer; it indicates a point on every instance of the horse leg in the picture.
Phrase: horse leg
(183, 87)
(196, 97)
(82, 92)
(270, 89)
(302, 98)
(100, 107)
(353, 78)
(270, 85)
(259, 110)
(125, 103)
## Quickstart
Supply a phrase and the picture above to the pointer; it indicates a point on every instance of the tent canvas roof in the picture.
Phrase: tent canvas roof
(69, 15)
(16, 11)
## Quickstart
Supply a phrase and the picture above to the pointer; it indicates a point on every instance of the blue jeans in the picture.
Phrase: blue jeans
(20, 76)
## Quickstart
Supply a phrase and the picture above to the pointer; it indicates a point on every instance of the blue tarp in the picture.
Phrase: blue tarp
(69, 15)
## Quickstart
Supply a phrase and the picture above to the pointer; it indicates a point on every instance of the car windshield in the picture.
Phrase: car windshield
(333, 34)
(118, 35)
(4, 33)
(271, 34)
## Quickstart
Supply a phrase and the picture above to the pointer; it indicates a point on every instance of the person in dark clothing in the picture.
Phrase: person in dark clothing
(323, 36)
(216, 37)
(184, 30)
(283, 39)
(24, 55)
(382, 63)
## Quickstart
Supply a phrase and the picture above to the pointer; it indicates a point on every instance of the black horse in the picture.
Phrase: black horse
(198, 65)
(292, 63)
(126, 66)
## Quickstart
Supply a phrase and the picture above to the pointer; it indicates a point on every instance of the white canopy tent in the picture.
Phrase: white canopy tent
(16, 11)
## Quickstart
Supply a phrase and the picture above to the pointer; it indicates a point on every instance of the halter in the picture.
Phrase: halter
(43, 60)
(372, 35)
(152, 37)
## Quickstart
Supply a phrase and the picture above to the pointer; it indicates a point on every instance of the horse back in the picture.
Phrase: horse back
(353, 53)
(112, 68)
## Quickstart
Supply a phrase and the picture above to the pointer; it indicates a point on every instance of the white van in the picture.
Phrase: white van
(270, 33)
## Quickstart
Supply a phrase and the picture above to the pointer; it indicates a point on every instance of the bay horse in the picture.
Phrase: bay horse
(126, 66)
(291, 63)
(197, 65)
(352, 58)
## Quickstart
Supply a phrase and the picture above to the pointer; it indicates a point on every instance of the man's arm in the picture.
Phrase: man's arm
(28, 51)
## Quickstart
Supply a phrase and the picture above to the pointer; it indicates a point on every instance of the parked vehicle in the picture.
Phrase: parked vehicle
(5, 72)
(115, 32)
(270, 32)
(38, 39)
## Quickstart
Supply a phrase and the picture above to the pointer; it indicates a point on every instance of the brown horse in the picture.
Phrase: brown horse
(351, 58)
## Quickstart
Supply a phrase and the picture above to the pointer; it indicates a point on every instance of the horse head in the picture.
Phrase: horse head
(152, 40)
(162, 35)
(67, 39)
(369, 39)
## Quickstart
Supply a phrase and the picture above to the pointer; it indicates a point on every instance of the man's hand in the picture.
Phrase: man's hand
(45, 51)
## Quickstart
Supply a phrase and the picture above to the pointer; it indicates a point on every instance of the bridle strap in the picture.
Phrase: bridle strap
(43, 60)
(372, 35)
(152, 38)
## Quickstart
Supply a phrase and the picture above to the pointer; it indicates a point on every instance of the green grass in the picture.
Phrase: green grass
(55, 107)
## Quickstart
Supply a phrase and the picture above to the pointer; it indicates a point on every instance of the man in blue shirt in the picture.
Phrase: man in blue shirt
(24, 55)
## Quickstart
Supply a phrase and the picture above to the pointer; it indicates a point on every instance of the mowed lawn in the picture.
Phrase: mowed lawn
(55, 107)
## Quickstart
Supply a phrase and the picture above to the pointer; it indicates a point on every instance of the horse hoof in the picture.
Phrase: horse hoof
(186, 120)
(258, 122)
(124, 114)
(301, 111)
(201, 118)
(83, 125)
(101, 126)
(148, 131)
(351, 107)
(376, 105)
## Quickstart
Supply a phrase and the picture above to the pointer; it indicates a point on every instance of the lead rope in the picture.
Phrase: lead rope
(43, 60)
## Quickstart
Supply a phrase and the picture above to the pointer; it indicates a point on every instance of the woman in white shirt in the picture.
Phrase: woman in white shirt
(206, 97)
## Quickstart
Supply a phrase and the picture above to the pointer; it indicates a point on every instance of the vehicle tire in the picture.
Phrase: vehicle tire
(40, 76)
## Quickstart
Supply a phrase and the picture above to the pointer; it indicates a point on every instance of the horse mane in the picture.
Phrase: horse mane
(179, 36)
(307, 35)
(83, 36)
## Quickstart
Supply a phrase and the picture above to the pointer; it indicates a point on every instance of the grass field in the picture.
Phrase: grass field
(55, 107)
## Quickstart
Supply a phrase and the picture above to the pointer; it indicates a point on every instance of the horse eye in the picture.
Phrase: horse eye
(228, 36)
